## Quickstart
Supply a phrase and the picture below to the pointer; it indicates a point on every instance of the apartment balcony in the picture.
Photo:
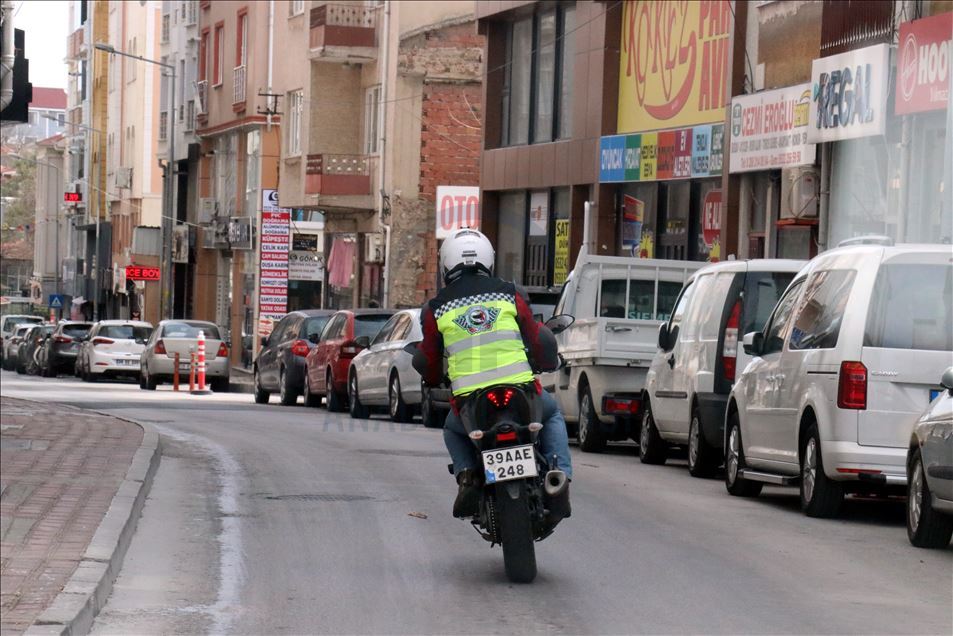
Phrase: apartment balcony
(338, 175)
(163, 125)
(239, 84)
(344, 33)
(201, 97)
(74, 45)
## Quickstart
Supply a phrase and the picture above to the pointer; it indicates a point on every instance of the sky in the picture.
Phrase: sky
(46, 23)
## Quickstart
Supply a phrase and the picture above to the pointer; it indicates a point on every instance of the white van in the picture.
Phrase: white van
(687, 386)
(848, 360)
(618, 304)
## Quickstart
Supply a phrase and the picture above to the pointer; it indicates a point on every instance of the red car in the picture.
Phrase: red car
(346, 334)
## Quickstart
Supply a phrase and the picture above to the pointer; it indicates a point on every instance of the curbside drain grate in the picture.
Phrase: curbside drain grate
(319, 497)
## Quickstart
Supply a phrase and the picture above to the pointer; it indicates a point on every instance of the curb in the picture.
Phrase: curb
(74, 609)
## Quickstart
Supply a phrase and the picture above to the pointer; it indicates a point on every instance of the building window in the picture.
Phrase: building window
(165, 28)
(511, 233)
(295, 106)
(131, 63)
(538, 77)
(372, 99)
(296, 7)
(241, 51)
(219, 59)
(203, 56)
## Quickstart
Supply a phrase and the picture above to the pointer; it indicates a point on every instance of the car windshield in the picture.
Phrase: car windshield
(189, 330)
(911, 308)
(315, 325)
(369, 325)
(125, 332)
(76, 331)
(9, 323)
(762, 292)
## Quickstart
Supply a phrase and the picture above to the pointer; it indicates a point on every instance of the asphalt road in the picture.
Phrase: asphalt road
(270, 519)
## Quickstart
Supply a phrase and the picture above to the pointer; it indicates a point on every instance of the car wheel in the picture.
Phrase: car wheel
(334, 399)
(652, 448)
(590, 435)
(702, 458)
(820, 496)
(735, 462)
(926, 528)
(432, 417)
(358, 411)
(261, 395)
(310, 399)
(286, 393)
(148, 382)
(400, 411)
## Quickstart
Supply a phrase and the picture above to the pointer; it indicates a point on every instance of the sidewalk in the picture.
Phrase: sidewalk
(59, 471)
(242, 380)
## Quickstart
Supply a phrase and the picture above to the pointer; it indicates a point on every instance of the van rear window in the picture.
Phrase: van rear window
(641, 303)
(911, 308)
(762, 292)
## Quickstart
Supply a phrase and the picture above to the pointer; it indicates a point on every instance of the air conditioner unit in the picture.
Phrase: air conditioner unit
(374, 248)
(799, 192)
(124, 178)
(208, 209)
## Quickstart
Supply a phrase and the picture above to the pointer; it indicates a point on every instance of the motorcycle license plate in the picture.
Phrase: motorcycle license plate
(505, 464)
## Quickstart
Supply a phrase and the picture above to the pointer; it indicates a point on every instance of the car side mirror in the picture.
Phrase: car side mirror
(947, 380)
(362, 341)
(753, 343)
(314, 338)
(264, 341)
(663, 336)
(560, 323)
(411, 347)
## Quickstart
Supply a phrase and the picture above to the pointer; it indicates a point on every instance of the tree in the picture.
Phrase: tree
(19, 202)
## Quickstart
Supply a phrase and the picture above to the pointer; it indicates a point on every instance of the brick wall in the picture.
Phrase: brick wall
(449, 60)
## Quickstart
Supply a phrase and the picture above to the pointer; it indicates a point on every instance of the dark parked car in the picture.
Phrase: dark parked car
(33, 340)
(62, 347)
(280, 365)
(347, 334)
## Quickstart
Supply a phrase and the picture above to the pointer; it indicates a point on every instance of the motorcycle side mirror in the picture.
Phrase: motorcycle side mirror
(560, 323)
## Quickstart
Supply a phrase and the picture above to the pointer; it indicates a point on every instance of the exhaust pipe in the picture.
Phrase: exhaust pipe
(556, 500)
(555, 483)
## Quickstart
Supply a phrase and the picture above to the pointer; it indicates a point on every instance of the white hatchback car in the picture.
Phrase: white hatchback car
(687, 386)
(112, 348)
(845, 365)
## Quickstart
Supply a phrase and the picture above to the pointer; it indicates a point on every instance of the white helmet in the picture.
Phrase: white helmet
(466, 249)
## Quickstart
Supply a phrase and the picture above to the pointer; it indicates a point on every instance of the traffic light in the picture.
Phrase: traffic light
(18, 110)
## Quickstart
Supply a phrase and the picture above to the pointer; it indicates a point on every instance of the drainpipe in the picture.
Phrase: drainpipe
(381, 148)
(7, 56)
(271, 54)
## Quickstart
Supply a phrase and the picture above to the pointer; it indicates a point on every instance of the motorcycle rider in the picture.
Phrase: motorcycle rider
(486, 327)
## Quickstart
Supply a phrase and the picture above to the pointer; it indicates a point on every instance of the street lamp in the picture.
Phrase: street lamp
(165, 299)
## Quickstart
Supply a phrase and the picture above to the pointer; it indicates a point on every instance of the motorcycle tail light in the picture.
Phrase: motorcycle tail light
(500, 397)
(509, 436)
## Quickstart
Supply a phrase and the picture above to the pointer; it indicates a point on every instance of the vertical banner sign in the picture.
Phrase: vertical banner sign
(711, 225)
(273, 280)
(561, 256)
(924, 65)
(539, 213)
(458, 207)
(633, 213)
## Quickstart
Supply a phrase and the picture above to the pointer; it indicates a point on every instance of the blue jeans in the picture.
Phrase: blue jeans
(553, 439)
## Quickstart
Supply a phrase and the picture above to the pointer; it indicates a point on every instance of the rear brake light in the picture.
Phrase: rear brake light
(350, 349)
(299, 348)
(102, 341)
(509, 436)
(729, 351)
(852, 386)
(620, 406)
(160, 347)
(500, 397)
(62, 339)
(222, 351)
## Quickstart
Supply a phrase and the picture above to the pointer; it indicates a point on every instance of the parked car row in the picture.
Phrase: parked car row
(837, 360)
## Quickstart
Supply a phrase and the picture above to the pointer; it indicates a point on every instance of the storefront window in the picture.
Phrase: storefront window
(512, 224)
(858, 204)
(537, 244)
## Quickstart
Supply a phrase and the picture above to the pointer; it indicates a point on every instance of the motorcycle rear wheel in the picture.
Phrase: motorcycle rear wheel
(516, 530)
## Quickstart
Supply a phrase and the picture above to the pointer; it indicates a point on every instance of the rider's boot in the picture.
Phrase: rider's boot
(467, 503)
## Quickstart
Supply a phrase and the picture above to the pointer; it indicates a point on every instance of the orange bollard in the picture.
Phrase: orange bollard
(175, 373)
(191, 371)
(201, 389)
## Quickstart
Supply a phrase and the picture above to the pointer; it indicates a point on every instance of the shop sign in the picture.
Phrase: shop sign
(923, 65)
(711, 224)
(539, 213)
(136, 272)
(561, 255)
(305, 265)
(301, 242)
(660, 156)
(240, 232)
(458, 207)
(769, 130)
(273, 268)
(673, 69)
(849, 94)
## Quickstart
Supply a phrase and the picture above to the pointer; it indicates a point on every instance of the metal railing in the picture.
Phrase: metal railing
(350, 165)
(238, 84)
(351, 15)
(201, 91)
(163, 125)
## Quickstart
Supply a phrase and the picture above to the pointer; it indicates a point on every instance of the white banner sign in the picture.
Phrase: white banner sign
(305, 265)
(769, 130)
(457, 207)
(849, 94)
(273, 262)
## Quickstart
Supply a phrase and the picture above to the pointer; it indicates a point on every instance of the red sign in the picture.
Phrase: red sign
(137, 272)
(923, 65)
(711, 217)
(72, 197)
